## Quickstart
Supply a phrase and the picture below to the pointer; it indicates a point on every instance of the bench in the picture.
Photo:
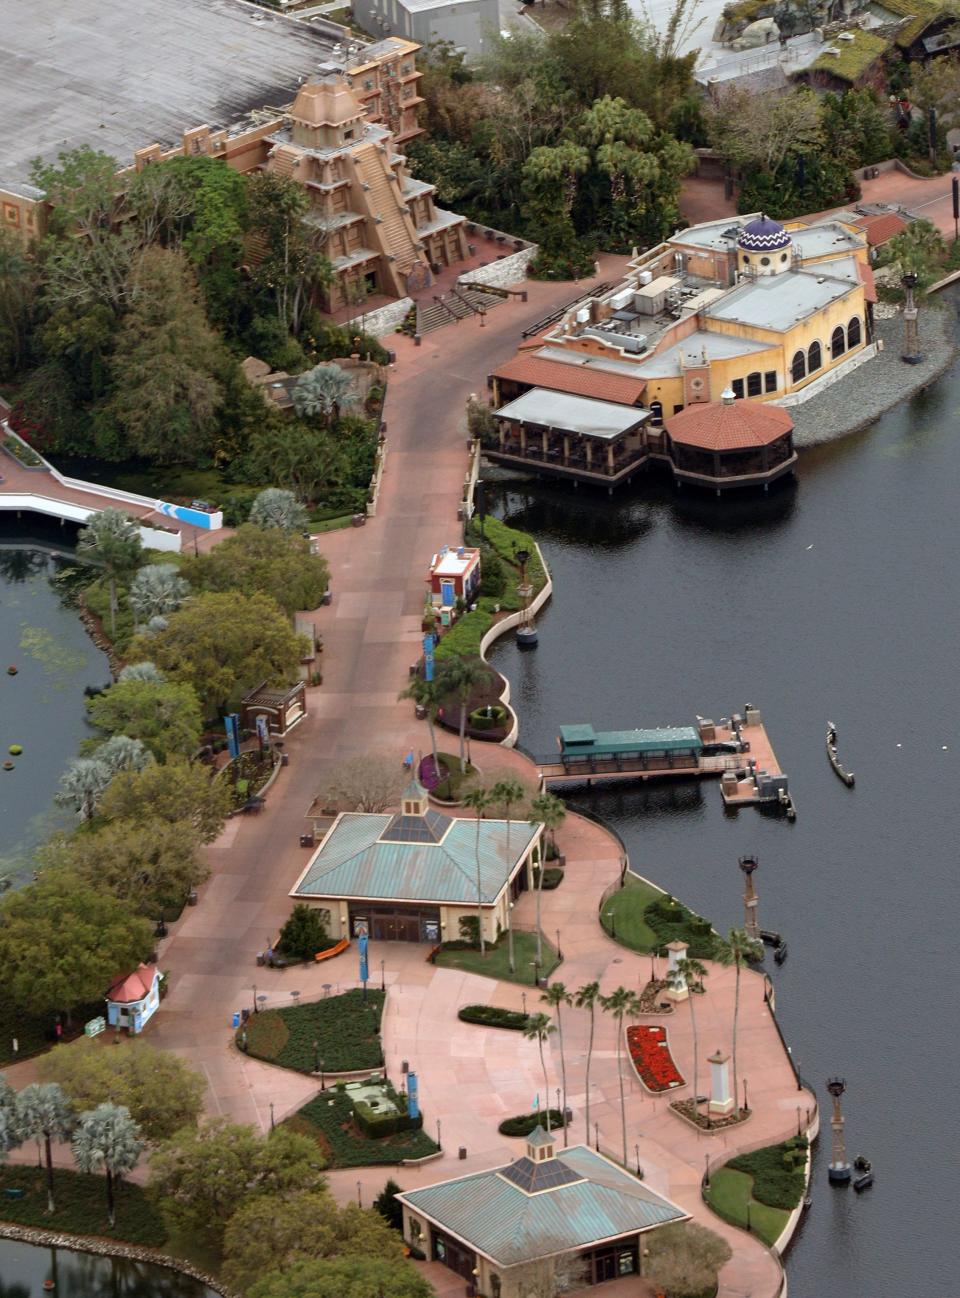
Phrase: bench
(333, 950)
(13, 1192)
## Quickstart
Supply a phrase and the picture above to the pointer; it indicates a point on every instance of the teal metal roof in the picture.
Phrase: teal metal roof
(499, 1220)
(584, 739)
(357, 860)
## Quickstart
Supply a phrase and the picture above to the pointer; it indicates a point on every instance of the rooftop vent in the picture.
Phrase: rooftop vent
(728, 396)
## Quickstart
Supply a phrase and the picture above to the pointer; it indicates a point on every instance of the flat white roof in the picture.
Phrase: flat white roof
(778, 302)
(451, 565)
(717, 347)
(573, 414)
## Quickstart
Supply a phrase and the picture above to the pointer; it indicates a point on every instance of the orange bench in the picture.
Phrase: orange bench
(333, 950)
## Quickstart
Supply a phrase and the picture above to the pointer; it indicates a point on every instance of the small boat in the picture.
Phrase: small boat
(863, 1182)
(780, 954)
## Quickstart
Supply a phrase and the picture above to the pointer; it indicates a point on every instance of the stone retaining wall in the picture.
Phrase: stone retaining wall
(382, 321)
(504, 272)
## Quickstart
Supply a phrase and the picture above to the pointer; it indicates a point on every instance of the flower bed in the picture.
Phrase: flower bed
(652, 1059)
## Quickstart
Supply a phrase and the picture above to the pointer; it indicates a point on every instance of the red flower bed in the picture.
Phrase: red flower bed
(651, 1058)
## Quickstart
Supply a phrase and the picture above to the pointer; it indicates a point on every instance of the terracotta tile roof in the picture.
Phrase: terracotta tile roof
(866, 279)
(879, 229)
(133, 986)
(739, 425)
(578, 380)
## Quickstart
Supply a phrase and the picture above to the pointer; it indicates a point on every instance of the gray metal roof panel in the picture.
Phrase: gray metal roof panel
(575, 414)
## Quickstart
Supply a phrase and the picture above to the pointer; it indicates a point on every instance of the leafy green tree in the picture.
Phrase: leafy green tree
(540, 1029)
(323, 392)
(18, 290)
(265, 560)
(547, 810)
(291, 267)
(61, 942)
(739, 947)
(225, 644)
(478, 800)
(11, 1135)
(622, 1004)
(156, 590)
(167, 364)
(344, 1277)
(108, 1138)
(121, 753)
(162, 1093)
(177, 791)
(202, 1177)
(113, 539)
(586, 998)
(461, 676)
(688, 975)
(310, 463)
(303, 934)
(556, 996)
(684, 1259)
(145, 671)
(43, 1111)
(278, 509)
(164, 715)
(857, 128)
(919, 248)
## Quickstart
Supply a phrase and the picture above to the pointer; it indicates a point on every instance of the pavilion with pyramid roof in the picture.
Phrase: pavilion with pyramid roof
(412, 875)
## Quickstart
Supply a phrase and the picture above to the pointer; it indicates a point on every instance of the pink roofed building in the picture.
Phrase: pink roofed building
(134, 998)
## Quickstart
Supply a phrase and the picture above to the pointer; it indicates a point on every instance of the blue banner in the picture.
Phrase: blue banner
(428, 645)
(263, 729)
(413, 1103)
(362, 945)
(195, 517)
(231, 724)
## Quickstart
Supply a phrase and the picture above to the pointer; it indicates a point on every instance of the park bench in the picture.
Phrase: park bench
(333, 950)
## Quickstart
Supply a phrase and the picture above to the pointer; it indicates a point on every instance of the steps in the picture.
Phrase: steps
(394, 226)
(434, 316)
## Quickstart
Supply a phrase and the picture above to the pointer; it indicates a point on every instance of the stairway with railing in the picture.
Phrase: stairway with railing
(393, 223)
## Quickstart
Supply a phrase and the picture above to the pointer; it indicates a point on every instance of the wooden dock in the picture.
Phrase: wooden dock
(587, 770)
(765, 782)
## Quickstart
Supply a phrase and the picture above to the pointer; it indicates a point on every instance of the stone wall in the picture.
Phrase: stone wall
(383, 321)
(502, 273)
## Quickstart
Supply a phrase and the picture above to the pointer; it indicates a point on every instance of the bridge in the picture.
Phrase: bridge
(39, 488)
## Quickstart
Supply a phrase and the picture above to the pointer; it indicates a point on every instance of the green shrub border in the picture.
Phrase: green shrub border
(774, 1183)
(492, 1016)
(523, 1123)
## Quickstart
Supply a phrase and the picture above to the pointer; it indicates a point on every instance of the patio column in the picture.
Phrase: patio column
(544, 442)
(610, 457)
(721, 1101)
(566, 447)
(716, 464)
(677, 951)
(501, 433)
(523, 438)
(588, 445)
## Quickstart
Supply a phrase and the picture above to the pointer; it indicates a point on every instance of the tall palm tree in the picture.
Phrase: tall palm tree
(740, 946)
(44, 1110)
(462, 675)
(622, 1004)
(10, 1133)
(83, 784)
(121, 753)
(586, 999)
(107, 1137)
(427, 695)
(323, 392)
(539, 1029)
(275, 507)
(505, 793)
(478, 800)
(145, 671)
(156, 590)
(113, 538)
(547, 810)
(688, 974)
(556, 996)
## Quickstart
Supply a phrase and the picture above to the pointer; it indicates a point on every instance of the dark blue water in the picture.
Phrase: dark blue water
(25, 1267)
(42, 707)
(836, 599)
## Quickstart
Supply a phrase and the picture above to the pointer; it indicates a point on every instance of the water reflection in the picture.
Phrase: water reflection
(24, 1269)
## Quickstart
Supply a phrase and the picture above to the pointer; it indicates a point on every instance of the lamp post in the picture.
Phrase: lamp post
(510, 938)
(255, 1010)
(559, 952)
(383, 985)
(523, 1001)
(272, 1123)
(608, 914)
(439, 1141)
(359, 1194)
(636, 1150)
(748, 865)
(596, 1136)
(706, 1171)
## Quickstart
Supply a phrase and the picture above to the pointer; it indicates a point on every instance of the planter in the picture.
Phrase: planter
(651, 1058)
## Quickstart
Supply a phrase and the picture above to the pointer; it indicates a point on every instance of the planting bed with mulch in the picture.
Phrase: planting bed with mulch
(329, 1119)
(346, 1028)
(651, 1057)
(81, 1206)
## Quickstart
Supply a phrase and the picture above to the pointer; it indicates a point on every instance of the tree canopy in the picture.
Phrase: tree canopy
(164, 714)
(262, 560)
(344, 1277)
(177, 792)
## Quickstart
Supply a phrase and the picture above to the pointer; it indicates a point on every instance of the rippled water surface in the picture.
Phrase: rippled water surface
(24, 1268)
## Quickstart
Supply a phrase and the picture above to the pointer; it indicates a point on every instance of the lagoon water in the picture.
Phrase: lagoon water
(25, 1267)
(834, 599)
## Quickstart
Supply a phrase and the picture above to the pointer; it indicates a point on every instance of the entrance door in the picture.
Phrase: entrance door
(604, 1267)
(447, 595)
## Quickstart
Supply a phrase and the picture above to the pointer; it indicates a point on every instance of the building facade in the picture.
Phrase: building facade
(134, 998)
(464, 24)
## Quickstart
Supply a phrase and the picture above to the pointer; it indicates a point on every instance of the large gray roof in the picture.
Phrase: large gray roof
(122, 74)
(778, 302)
(573, 414)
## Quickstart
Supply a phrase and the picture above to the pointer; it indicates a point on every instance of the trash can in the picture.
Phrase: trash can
(462, 1153)
(358, 520)
(260, 957)
(306, 840)
(236, 1018)
(284, 759)
(420, 712)
(192, 898)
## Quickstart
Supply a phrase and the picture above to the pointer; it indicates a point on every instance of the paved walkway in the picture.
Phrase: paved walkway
(471, 1077)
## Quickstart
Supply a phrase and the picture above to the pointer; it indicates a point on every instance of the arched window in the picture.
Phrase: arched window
(853, 332)
(838, 343)
(814, 357)
(798, 370)
(754, 384)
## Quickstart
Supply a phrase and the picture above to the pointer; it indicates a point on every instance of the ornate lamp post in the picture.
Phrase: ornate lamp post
(526, 633)
(839, 1169)
(750, 899)
(911, 347)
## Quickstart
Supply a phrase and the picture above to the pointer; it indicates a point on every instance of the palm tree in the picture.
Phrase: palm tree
(121, 753)
(10, 1133)
(478, 800)
(323, 392)
(426, 695)
(114, 539)
(688, 974)
(83, 784)
(740, 946)
(145, 671)
(556, 996)
(462, 675)
(44, 1110)
(622, 1004)
(156, 590)
(539, 1029)
(505, 793)
(275, 507)
(547, 810)
(586, 999)
(107, 1137)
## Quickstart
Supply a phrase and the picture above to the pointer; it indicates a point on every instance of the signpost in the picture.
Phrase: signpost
(413, 1102)
(428, 647)
(364, 970)
(231, 724)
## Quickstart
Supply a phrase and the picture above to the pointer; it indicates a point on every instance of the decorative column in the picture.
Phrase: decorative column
(677, 951)
(610, 457)
(523, 438)
(911, 348)
(544, 442)
(839, 1169)
(588, 446)
(566, 448)
(721, 1101)
(750, 899)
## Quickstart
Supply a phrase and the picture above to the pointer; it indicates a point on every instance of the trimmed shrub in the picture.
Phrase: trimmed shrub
(304, 934)
(377, 1123)
(481, 719)
(552, 877)
(777, 1182)
(330, 1119)
(492, 1016)
(524, 1123)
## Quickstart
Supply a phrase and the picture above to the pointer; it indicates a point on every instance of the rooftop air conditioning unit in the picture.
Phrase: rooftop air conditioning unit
(583, 315)
(622, 299)
(646, 277)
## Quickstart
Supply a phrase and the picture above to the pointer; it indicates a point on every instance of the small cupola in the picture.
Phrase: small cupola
(415, 801)
(728, 396)
(540, 1145)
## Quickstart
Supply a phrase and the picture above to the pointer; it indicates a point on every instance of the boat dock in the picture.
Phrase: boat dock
(735, 749)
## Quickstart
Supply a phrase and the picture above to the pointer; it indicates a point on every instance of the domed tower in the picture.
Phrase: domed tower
(763, 247)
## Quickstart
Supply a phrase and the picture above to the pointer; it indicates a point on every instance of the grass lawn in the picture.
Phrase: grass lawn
(346, 1029)
(330, 524)
(496, 962)
(729, 1194)
(81, 1206)
(456, 782)
(623, 914)
(34, 1032)
(328, 1119)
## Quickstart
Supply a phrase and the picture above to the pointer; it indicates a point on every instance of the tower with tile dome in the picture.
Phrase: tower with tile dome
(763, 247)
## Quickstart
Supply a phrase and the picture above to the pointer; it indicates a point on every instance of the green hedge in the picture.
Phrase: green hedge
(774, 1183)
(330, 1119)
(492, 1016)
(81, 1206)
(524, 1123)
(376, 1124)
(506, 540)
(552, 877)
(346, 1027)
(671, 921)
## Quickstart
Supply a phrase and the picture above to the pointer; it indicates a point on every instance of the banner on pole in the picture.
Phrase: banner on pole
(231, 724)
(413, 1102)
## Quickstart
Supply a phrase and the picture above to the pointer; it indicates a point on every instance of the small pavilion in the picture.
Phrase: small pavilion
(730, 443)
(134, 998)
(282, 707)
(572, 436)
